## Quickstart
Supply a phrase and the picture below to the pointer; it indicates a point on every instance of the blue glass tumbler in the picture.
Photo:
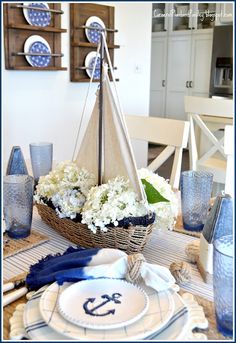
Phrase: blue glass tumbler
(18, 204)
(223, 283)
(41, 155)
(196, 188)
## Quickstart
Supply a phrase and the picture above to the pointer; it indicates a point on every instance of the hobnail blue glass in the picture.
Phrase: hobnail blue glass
(223, 284)
(41, 155)
(196, 188)
(18, 204)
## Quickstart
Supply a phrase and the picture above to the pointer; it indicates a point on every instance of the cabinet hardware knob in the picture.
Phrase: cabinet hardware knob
(187, 84)
(163, 83)
(191, 84)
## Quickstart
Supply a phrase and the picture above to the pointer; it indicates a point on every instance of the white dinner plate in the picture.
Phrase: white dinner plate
(103, 303)
(34, 17)
(89, 63)
(37, 44)
(94, 35)
(160, 310)
(38, 330)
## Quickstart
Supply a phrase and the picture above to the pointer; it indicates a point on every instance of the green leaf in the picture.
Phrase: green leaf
(153, 196)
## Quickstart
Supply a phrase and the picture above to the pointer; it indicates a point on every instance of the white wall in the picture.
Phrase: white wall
(46, 106)
(134, 62)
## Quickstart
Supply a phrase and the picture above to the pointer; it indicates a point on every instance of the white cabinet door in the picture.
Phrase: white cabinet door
(178, 74)
(180, 18)
(159, 17)
(226, 13)
(201, 64)
(158, 76)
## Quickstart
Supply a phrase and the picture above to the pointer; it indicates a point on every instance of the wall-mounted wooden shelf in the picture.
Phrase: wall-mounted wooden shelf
(38, 69)
(92, 45)
(79, 44)
(36, 28)
(17, 31)
(87, 80)
(52, 10)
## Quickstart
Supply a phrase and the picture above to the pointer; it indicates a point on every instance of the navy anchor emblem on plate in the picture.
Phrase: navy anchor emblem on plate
(92, 311)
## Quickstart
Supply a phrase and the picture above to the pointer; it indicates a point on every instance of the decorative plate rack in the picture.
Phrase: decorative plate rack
(80, 46)
(39, 20)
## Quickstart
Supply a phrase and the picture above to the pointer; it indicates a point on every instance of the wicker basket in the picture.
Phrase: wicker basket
(130, 240)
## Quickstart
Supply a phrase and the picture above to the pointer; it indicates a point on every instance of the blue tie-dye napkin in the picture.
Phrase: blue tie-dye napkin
(80, 264)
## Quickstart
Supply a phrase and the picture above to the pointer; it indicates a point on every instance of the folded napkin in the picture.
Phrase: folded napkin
(78, 264)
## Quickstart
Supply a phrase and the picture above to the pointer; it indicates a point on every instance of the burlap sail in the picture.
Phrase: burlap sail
(117, 156)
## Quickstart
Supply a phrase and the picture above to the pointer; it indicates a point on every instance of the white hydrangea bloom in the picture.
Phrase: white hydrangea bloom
(67, 187)
(166, 212)
(68, 203)
(111, 202)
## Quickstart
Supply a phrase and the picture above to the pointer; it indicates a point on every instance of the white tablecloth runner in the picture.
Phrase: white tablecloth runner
(163, 248)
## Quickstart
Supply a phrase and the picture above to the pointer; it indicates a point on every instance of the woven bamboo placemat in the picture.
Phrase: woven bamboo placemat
(14, 246)
(179, 228)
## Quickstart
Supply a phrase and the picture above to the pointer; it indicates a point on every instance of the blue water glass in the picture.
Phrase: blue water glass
(196, 188)
(223, 284)
(41, 155)
(18, 204)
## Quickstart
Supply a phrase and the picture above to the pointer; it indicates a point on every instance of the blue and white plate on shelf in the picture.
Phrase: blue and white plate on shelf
(89, 63)
(94, 35)
(37, 44)
(36, 17)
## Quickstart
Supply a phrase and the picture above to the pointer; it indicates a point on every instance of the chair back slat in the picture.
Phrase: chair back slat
(210, 107)
(169, 132)
(158, 130)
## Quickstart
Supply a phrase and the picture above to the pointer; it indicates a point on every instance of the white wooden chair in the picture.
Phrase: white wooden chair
(229, 151)
(173, 133)
(217, 113)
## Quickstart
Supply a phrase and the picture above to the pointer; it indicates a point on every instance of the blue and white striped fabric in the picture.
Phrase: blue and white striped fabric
(77, 264)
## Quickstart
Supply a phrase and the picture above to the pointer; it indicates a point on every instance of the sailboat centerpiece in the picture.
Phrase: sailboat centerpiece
(106, 152)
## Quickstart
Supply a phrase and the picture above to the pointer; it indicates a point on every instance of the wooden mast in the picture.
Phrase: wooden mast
(100, 124)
